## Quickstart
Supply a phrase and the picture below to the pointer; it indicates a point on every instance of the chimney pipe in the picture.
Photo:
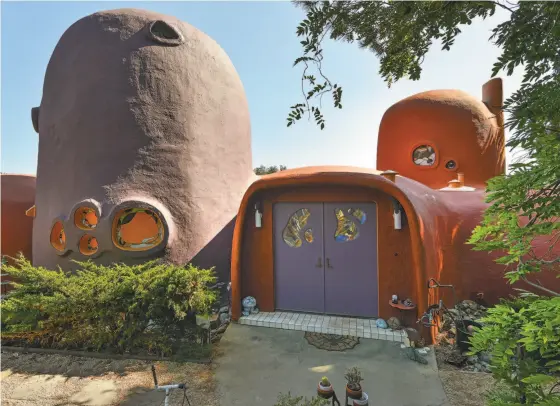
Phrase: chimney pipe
(461, 178)
(454, 184)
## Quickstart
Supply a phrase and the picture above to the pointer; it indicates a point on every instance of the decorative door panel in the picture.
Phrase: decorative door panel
(298, 257)
(350, 239)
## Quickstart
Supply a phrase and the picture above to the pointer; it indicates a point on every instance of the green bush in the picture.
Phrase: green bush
(523, 337)
(119, 307)
(289, 400)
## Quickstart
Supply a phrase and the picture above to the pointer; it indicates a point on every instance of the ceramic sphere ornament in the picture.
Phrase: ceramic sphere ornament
(249, 304)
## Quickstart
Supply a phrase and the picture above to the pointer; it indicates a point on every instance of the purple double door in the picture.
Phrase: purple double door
(325, 258)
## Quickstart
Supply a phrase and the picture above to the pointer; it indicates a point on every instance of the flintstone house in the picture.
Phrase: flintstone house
(167, 172)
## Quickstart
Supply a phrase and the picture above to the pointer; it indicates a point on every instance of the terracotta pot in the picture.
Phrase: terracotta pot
(354, 394)
(361, 402)
(325, 392)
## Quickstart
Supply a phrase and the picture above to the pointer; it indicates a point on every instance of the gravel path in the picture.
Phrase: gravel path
(466, 388)
(49, 380)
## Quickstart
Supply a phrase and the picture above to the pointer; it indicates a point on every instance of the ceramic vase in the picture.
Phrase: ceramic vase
(361, 402)
(354, 394)
(325, 392)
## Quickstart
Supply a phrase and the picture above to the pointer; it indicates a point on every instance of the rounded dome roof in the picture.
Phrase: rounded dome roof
(446, 98)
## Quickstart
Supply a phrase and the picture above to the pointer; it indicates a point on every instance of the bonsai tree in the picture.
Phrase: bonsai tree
(353, 378)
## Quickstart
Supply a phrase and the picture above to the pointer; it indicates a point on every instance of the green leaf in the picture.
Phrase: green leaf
(539, 379)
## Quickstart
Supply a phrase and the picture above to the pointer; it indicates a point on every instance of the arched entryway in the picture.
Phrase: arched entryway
(392, 259)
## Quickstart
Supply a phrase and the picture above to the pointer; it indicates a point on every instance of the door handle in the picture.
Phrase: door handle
(319, 263)
(329, 263)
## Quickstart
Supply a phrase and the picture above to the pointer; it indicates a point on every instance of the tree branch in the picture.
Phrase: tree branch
(540, 287)
(553, 386)
(503, 6)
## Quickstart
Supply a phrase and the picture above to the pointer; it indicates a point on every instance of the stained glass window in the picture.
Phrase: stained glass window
(58, 236)
(88, 245)
(346, 229)
(308, 235)
(85, 218)
(137, 229)
(424, 155)
(292, 231)
(359, 214)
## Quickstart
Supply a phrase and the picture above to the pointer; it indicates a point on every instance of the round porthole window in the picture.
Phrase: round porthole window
(424, 155)
(451, 165)
(165, 33)
(85, 218)
(137, 229)
(88, 245)
(58, 236)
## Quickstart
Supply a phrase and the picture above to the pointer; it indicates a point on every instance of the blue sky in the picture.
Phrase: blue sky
(260, 39)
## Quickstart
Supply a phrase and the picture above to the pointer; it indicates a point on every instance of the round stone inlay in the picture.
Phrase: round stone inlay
(331, 342)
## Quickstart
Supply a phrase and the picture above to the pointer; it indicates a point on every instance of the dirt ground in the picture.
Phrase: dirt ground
(48, 380)
(463, 388)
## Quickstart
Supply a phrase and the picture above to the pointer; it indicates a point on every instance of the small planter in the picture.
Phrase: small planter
(361, 402)
(325, 392)
(354, 392)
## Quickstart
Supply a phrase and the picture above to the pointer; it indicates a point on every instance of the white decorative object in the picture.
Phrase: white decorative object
(395, 299)
(258, 218)
(397, 220)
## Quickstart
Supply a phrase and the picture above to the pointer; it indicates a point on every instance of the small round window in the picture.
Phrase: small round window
(88, 245)
(85, 218)
(424, 155)
(58, 236)
(451, 165)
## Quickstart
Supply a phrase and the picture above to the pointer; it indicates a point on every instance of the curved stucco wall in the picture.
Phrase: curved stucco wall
(460, 127)
(133, 111)
(18, 195)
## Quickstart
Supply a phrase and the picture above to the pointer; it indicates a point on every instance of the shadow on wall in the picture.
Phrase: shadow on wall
(217, 254)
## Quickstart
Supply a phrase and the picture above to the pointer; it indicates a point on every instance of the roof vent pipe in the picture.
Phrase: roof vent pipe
(454, 184)
(461, 178)
(390, 175)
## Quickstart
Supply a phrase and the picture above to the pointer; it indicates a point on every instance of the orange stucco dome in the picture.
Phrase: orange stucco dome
(432, 135)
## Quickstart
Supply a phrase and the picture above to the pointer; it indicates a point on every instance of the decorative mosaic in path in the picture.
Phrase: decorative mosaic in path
(318, 323)
(331, 342)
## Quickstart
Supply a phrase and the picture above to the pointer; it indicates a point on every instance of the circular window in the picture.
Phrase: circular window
(88, 245)
(165, 33)
(58, 236)
(451, 165)
(137, 229)
(424, 155)
(85, 218)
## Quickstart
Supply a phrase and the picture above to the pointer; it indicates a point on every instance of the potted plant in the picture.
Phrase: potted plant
(361, 402)
(325, 389)
(353, 387)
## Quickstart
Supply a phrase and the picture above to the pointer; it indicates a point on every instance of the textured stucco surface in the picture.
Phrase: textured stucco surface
(459, 126)
(124, 117)
(438, 225)
(18, 195)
